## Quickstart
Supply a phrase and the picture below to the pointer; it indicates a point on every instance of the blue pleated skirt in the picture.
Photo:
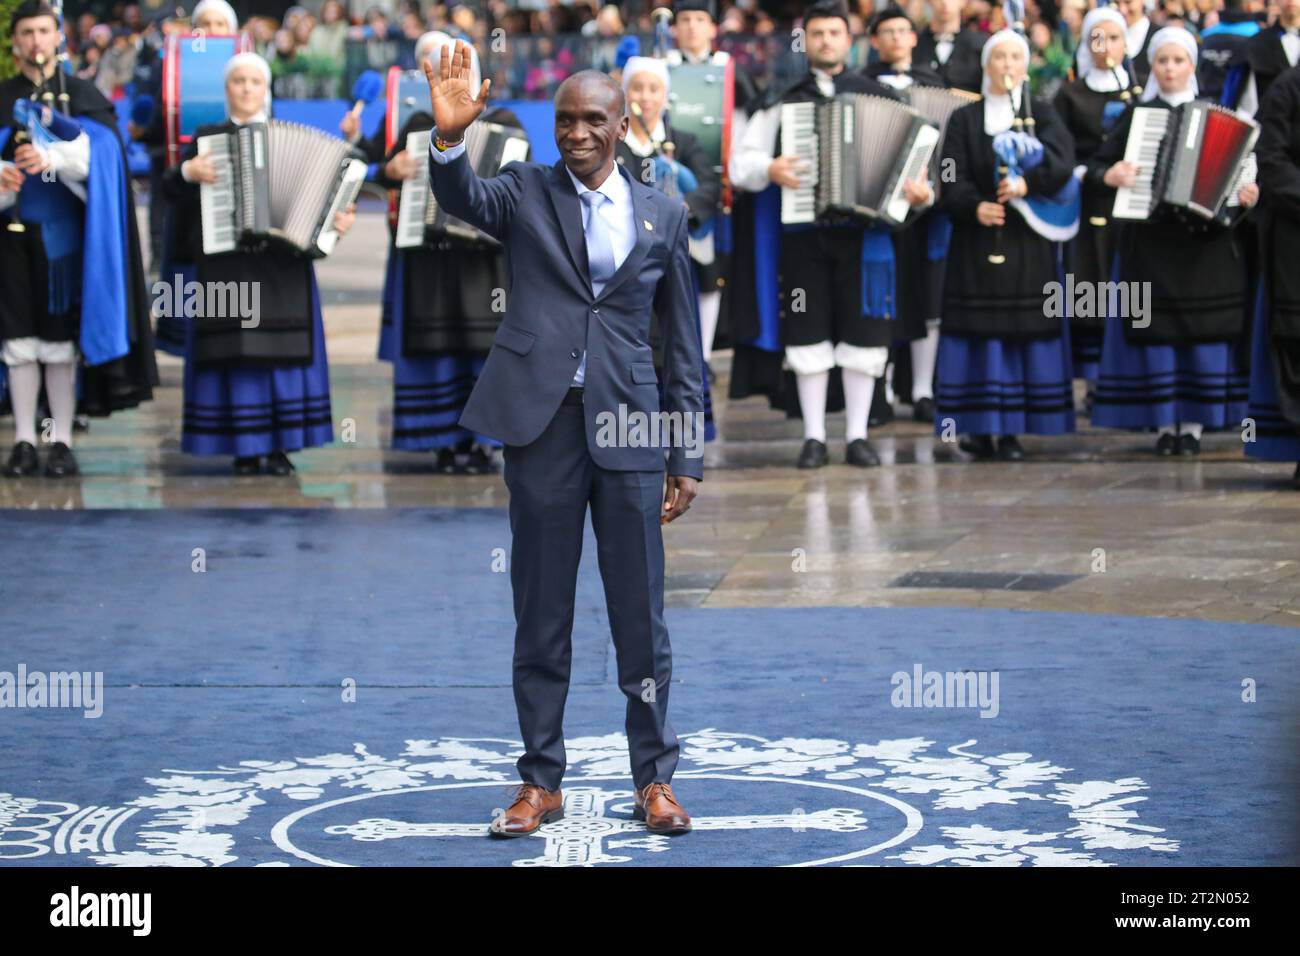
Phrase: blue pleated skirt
(429, 391)
(993, 386)
(1149, 386)
(255, 410)
(1276, 438)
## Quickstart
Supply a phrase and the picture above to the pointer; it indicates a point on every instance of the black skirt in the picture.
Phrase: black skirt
(455, 297)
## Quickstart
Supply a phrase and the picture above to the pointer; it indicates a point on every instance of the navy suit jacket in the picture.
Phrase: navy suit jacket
(552, 314)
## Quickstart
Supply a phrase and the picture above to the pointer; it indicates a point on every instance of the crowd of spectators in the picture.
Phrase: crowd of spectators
(529, 46)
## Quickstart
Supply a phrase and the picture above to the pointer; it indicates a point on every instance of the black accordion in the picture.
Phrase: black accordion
(420, 221)
(277, 180)
(859, 150)
(1193, 158)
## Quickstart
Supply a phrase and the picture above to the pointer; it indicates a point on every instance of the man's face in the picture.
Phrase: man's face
(945, 9)
(828, 42)
(36, 35)
(695, 31)
(1132, 10)
(1291, 10)
(589, 122)
(894, 40)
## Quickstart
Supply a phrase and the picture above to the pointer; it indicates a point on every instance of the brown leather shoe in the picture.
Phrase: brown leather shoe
(533, 805)
(658, 807)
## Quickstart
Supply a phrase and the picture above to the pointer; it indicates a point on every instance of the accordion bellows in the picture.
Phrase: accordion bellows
(280, 180)
(1194, 157)
(860, 149)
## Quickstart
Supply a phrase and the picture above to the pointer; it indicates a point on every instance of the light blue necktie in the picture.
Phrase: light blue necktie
(600, 257)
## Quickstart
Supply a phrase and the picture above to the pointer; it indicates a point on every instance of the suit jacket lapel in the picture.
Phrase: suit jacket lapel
(568, 210)
(645, 220)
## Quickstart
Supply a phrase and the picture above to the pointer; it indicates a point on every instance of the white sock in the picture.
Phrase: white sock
(889, 384)
(1192, 428)
(1167, 430)
(924, 352)
(812, 402)
(24, 386)
(61, 390)
(858, 388)
(710, 305)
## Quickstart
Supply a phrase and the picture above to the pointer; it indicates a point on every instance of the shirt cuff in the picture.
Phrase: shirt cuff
(70, 159)
(442, 157)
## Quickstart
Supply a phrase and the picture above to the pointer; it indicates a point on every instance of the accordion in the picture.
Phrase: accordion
(1193, 158)
(859, 149)
(420, 221)
(937, 105)
(279, 180)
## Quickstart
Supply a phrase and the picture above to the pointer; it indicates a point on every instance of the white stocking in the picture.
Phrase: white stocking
(812, 402)
(61, 390)
(858, 389)
(24, 386)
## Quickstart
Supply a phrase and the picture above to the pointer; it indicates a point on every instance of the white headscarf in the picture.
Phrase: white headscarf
(251, 59)
(220, 6)
(1163, 37)
(430, 45)
(644, 64)
(999, 108)
(1097, 77)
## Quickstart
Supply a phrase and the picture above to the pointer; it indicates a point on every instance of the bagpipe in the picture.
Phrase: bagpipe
(1018, 150)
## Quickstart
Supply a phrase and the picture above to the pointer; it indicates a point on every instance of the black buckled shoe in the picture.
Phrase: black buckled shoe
(1188, 444)
(1167, 444)
(1009, 449)
(861, 453)
(446, 463)
(924, 411)
(247, 465)
(22, 460)
(981, 446)
(812, 455)
(278, 463)
(60, 462)
(479, 461)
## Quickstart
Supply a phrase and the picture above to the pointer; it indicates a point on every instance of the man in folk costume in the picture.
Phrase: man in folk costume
(947, 48)
(71, 280)
(833, 287)
(919, 249)
(695, 30)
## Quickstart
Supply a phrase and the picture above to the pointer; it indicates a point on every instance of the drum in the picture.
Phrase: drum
(194, 84)
(700, 102)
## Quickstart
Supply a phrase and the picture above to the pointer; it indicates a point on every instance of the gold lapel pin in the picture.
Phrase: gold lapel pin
(648, 227)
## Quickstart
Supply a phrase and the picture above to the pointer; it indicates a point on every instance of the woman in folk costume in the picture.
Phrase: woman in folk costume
(442, 305)
(1275, 353)
(253, 391)
(672, 160)
(1004, 360)
(1179, 367)
(1090, 106)
(213, 18)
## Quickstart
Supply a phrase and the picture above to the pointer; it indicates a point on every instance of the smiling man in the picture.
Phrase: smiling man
(592, 252)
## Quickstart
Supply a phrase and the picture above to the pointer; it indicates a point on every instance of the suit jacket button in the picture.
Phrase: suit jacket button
(575, 353)
(595, 311)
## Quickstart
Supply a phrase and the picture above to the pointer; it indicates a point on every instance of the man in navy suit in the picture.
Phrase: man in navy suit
(570, 389)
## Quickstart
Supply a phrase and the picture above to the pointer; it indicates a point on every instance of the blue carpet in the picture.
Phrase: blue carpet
(227, 736)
